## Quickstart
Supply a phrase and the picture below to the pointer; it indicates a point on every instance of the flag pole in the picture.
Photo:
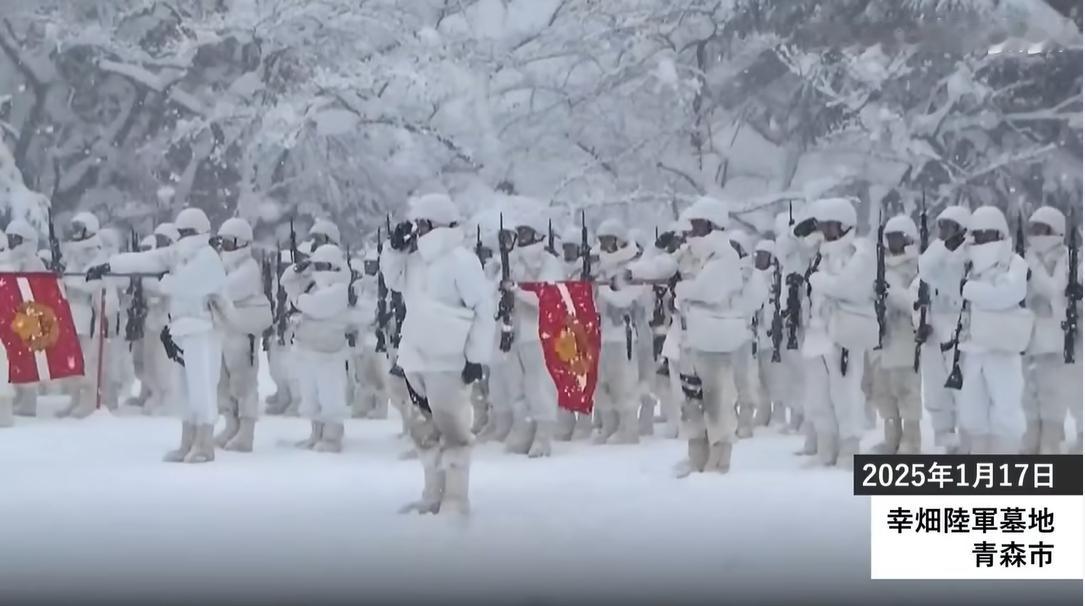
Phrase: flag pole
(101, 350)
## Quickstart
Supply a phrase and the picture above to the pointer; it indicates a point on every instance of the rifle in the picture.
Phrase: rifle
(585, 249)
(396, 299)
(1073, 295)
(382, 300)
(280, 299)
(478, 245)
(352, 301)
(137, 308)
(659, 320)
(754, 325)
(955, 380)
(776, 329)
(550, 238)
(880, 286)
(293, 243)
(504, 306)
(923, 301)
(1019, 246)
(56, 264)
(268, 280)
(794, 301)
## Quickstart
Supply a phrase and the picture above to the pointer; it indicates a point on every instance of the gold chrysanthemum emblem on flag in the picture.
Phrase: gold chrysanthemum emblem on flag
(36, 325)
(571, 347)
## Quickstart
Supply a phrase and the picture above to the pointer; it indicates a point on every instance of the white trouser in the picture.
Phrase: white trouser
(896, 393)
(834, 401)
(990, 397)
(237, 385)
(506, 375)
(1050, 388)
(941, 403)
(747, 382)
(443, 437)
(322, 379)
(198, 379)
(782, 381)
(713, 417)
(535, 397)
(367, 379)
(618, 380)
(280, 361)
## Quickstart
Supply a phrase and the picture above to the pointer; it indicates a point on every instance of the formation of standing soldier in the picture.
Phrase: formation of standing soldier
(717, 331)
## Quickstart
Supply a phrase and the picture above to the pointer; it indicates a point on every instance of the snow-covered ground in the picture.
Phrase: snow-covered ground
(88, 509)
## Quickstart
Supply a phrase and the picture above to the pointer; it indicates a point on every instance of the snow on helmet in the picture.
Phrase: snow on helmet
(323, 227)
(570, 235)
(435, 208)
(194, 220)
(236, 228)
(902, 224)
(1052, 217)
(742, 239)
(330, 254)
(148, 243)
(838, 210)
(167, 230)
(707, 208)
(766, 246)
(612, 228)
(24, 230)
(957, 214)
(989, 218)
(83, 226)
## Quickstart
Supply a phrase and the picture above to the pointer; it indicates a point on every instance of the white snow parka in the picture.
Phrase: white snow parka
(194, 274)
(712, 302)
(1047, 297)
(321, 299)
(450, 303)
(842, 298)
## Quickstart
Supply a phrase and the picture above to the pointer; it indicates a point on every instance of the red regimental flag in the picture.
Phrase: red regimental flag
(36, 328)
(569, 331)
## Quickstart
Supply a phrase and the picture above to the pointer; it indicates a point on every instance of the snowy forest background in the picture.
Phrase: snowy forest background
(270, 109)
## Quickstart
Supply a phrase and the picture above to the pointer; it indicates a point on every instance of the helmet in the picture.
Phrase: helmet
(989, 218)
(435, 208)
(1051, 217)
(766, 246)
(958, 214)
(148, 243)
(167, 230)
(236, 228)
(741, 238)
(835, 210)
(87, 223)
(21, 236)
(328, 253)
(902, 224)
(613, 228)
(710, 209)
(193, 219)
(323, 227)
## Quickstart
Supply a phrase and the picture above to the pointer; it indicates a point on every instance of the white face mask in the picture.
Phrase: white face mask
(1042, 244)
(438, 241)
(325, 279)
(233, 258)
(986, 256)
